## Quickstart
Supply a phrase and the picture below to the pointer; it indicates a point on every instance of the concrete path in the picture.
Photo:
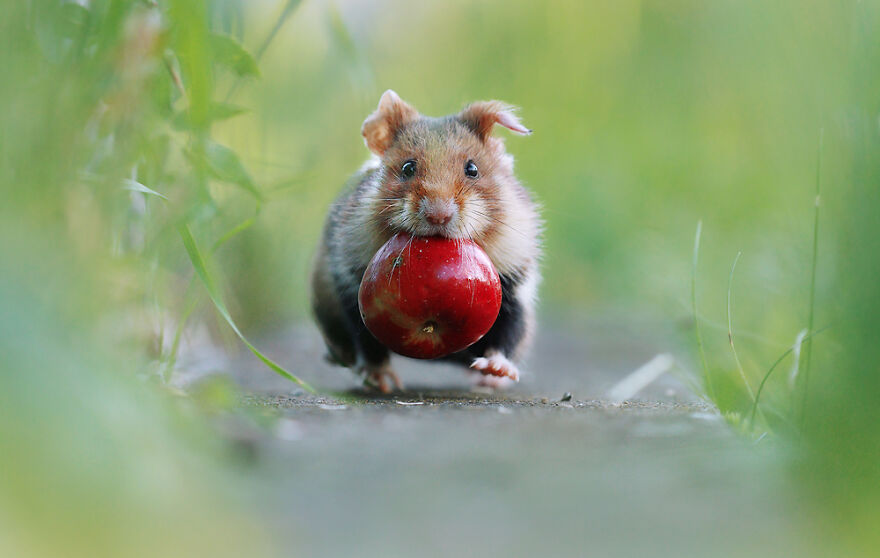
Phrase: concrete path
(442, 471)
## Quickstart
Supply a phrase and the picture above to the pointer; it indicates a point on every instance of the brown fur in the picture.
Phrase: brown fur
(493, 209)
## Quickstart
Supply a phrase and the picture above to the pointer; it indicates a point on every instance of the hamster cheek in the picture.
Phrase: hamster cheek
(475, 216)
(395, 214)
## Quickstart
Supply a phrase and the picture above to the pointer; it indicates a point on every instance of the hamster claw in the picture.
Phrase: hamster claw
(495, 369)
(377, 378)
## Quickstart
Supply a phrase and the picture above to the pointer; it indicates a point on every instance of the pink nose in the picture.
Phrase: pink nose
(438, 211)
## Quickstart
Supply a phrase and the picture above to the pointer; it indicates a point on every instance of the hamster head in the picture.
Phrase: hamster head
(442, 176)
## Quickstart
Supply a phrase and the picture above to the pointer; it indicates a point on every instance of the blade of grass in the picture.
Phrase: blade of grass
(795, 366)
(192, 301)
(770, 371)
(198, 263)
(288, 10)
(239, 228)
(739, 332)
(808, 353)
(706, 378)
(739, 367)
(192, 298)
(135, 186)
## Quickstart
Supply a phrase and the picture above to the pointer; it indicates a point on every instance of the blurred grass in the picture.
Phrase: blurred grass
(645, 122)
(649, 116)
(95, 462)
(123, 121)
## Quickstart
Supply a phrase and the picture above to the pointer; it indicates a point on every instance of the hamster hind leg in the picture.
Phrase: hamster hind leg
(373, 360)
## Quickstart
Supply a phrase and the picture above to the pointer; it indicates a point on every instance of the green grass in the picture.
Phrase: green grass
(805, 390)
(751, 408)
(739, 368)
(152, 153)
(797, 405)
(707, 379)
(198, 262)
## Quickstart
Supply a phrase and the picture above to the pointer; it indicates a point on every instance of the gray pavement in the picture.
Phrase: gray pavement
(440, 470)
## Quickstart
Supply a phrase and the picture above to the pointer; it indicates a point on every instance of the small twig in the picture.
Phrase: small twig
(175, 77)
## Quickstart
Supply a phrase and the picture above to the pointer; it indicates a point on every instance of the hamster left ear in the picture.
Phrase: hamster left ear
(482, 116)
(381, 127)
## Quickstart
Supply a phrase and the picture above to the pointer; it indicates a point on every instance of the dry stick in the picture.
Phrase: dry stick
(175, 77)
(808, 353)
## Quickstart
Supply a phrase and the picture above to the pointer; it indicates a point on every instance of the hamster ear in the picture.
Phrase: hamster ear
(481, 116)
(380, 127)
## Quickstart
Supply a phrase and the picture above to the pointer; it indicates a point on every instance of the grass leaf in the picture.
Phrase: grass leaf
(198, 263)
(772, 368)
(706, 378)
(812, 303)
(228, 52)
(224, 164)
(742, 373)
(136, 186)
(216, 113)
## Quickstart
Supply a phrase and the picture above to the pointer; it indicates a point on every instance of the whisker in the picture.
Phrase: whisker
(498, 221)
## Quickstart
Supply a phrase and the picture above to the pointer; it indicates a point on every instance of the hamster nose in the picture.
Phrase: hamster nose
(438, 211)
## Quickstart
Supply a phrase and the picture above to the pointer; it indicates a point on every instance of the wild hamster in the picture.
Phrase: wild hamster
(429, 176)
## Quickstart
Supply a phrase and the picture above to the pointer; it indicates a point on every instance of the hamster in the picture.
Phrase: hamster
(444, 176)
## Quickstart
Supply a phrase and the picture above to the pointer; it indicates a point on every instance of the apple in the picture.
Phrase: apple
(427, 297)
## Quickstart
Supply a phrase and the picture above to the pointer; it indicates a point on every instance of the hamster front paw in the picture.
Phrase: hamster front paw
(377, 376)
(495, 366)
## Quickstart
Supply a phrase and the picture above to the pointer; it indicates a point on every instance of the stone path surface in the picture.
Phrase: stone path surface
(439, 470)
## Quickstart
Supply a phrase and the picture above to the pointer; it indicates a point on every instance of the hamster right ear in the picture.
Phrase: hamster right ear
(380, 127)
(482, 116)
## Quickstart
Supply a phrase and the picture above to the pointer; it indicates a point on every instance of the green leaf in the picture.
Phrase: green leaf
(57, 28)
(223, 111)
(136, 186)
(191, 44)
(224, 164)
(198, 263)
(341, 35)
(192, 299)
(216, 113)
(229, 52)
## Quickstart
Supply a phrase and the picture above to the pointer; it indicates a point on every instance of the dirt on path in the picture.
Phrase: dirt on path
(439, 470)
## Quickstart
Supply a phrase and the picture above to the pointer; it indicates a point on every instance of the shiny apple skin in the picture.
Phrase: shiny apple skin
(428, 297)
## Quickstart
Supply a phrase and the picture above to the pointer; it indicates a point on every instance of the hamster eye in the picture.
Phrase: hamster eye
(470, 170)
(408, 170)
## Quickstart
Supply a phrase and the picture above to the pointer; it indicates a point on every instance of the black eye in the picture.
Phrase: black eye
(408, 170)
(470, 170)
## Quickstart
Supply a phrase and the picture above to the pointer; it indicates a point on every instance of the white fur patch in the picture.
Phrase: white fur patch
(374, 162)
(514, 246)
(496, 364)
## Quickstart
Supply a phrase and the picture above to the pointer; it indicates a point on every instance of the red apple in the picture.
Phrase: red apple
(427, 297)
